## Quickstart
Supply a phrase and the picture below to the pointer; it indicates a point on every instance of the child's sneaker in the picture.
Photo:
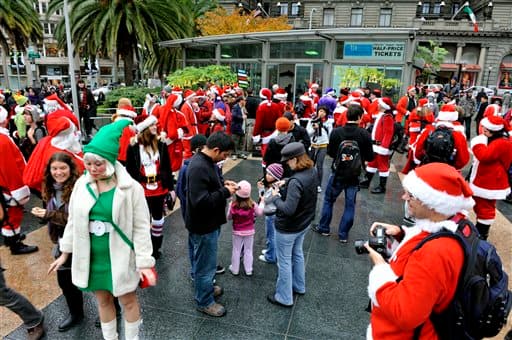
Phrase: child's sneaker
(264, 251)
(248, 274)
(231, 271)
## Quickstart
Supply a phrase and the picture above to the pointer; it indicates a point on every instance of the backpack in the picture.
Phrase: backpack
(299, 108)
(398, 134)
(348, 162)
(482, 301)
(440, 146)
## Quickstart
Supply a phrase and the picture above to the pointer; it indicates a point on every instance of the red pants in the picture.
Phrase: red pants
(176, 154)
(485, 210)
(380, 163)
(13, 225)
(187, 149)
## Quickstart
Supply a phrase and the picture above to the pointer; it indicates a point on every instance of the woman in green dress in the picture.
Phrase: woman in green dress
(108, 232)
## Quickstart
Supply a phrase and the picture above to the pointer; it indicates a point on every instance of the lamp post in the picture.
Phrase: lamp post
(71, 62)
(313, 10)
(488, 75)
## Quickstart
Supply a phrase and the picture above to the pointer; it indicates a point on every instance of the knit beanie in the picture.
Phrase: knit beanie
(283, 124)
(275, 170)
(106, 142)
(244, 189)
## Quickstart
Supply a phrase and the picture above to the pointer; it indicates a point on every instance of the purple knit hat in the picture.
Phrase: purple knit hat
(275, 170)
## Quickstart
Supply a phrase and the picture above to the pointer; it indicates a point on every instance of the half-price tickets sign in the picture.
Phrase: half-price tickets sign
(374, 50)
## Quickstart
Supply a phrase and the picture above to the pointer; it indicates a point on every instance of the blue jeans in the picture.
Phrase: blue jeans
(291, 275)
(332, 191)
(204, 265)
(270, 244)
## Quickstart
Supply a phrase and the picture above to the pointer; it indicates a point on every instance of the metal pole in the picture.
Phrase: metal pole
(71, 62)
(18, 70)
(313, 10)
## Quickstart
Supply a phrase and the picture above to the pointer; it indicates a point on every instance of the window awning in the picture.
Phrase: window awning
(506, 65)
(465, 67)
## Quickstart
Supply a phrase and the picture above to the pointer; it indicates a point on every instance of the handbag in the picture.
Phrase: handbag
(144, 282)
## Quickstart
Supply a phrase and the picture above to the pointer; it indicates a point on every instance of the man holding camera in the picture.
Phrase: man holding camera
(405, 291)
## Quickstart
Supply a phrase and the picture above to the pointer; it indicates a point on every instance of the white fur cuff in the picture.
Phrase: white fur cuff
(480, 139)
(379, 275)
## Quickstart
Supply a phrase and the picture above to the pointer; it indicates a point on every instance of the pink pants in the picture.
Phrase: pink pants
(238, 242)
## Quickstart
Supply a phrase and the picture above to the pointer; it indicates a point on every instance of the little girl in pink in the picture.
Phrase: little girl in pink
(242, 211)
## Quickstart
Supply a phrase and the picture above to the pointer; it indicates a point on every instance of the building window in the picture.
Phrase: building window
(295, 9)
(43, 7)
(46, 27)
(328, 16)
(283, 8)
(437, 8)
(455, 8)
(356, 17)
(385, 17)
(425, 9)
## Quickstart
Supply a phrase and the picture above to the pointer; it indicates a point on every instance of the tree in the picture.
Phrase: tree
(120, 27)
(19, 24)
(193, 76)
(432, 57)
(219, 21)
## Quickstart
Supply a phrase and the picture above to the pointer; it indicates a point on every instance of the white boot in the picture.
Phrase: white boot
(131, 330)
(109, 330)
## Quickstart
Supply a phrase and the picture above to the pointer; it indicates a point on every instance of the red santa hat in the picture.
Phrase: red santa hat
(411, 88)
(265, 93)
(344, 100)
(3, 114)
(448, 113)
(200, 93)
(360, 92)
(314, 86)
(492, 110)
(422, 102)
(54, 100)
(219, 114)
(127, 111)
(189, 94)
(216, 90)
(385, 103)
(493, 123)
(150, 120)
(306, 98)
(281, 94)
(177, 90)
(57, 123)
(440, 187)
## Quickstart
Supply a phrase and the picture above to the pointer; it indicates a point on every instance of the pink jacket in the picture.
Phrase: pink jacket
(243, 219)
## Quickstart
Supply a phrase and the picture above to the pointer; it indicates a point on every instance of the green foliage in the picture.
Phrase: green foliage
(433, 56)
(361, 76)
(136, 94)
(193, 76)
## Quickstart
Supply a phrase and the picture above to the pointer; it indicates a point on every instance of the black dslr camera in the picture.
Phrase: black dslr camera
(379, 242)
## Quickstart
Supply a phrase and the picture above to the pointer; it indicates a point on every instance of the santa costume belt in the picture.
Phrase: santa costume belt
(319, 146)
(99, 228)
(376, 142)
(151, 179)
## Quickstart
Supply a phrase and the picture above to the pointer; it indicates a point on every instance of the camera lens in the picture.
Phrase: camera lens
(359, 247)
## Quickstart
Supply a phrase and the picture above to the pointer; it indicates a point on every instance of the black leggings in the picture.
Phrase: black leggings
(73, 295)
(156, 206)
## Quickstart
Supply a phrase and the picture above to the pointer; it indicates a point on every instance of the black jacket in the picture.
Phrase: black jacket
(353, 132)
(301, 135)
(297, 204)
(206, 196)
(133, 165)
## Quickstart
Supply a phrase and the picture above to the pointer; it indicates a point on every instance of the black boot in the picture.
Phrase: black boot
(483, 230)
(70, 321)
(17, 247)
(157, 244)
(366, 183)
(381, 188)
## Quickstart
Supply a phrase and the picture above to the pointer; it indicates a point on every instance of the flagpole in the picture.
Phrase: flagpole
(459, 10)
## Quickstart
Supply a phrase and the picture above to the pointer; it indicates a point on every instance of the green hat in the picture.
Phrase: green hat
(106, 142)
(21, 100)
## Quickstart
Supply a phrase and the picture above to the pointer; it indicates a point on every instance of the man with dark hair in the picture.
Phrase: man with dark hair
(298, 132)
(252, 104)
(86, 108)
(206, 206)
(351, 132)
(480, 113)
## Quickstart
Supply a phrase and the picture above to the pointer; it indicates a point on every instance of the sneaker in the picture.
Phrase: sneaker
(343, 240)
(217, 291)
(220, 270)
(243, 156)
(319, 189)
(215, 309)
(264, 251)
(272, 300)
(317, 230)
(263, 259)
(231, 270)
(248, 274)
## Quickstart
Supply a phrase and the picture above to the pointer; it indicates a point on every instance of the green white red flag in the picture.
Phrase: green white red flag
(472, 16)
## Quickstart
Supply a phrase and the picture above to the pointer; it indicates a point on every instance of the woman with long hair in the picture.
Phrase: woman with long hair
(147, 161)
(59, 178)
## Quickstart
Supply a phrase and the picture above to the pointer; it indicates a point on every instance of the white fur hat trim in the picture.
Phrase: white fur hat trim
(146, 123)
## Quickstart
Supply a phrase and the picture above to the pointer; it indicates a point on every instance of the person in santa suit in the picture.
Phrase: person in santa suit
(373, 108)
(406, 104)
(340, 112)
(125, 111)
(188, 110)
(313, 94)
(382, 135)
(490, 110)
(447, 117)
(14, 190)
(217, 122)
(151, 105)
(174, 126)
(148, 163)
(492, 151)
(203, 111)
(413, 284)
(266, 115)
(309, 109)
(280, 97)
(63, 136)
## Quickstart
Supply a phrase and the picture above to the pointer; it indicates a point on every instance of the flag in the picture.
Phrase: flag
(242, 78)
(472, 16)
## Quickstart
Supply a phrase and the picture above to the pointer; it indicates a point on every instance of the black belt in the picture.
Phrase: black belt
(151, 179)
(376, 142)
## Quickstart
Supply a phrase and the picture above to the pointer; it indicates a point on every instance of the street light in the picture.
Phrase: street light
(313, 10)
(488, 76)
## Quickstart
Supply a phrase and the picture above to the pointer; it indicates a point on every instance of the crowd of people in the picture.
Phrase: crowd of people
(105, 203)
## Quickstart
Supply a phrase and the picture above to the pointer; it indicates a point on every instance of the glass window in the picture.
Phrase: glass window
(339, 50)
(283, 9)
(426, 8)
(253, 71)
(385, 17)
(356, 17)
(437, 8)
(43, 7)
(200, 52)
(46, 27)
(233, 51)
(455, 8)
(328, 16)
(298, 50)
(295, 9)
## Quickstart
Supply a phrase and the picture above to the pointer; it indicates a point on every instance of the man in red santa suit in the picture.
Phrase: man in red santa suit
(382, 135)
(313, 94)
(413, 285)
(204, 111)
(125, 111)
(492, 151)
(188, 110)
(266, 115)
(150, 105)
(14, 190)
(174, 125)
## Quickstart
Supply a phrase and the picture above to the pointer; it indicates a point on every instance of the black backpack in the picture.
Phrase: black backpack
(482, 301)
(398, 134)
(440, 146)
(299, 108)
(348, 162)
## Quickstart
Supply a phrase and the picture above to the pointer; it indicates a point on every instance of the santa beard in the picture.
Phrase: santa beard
(69, 140)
